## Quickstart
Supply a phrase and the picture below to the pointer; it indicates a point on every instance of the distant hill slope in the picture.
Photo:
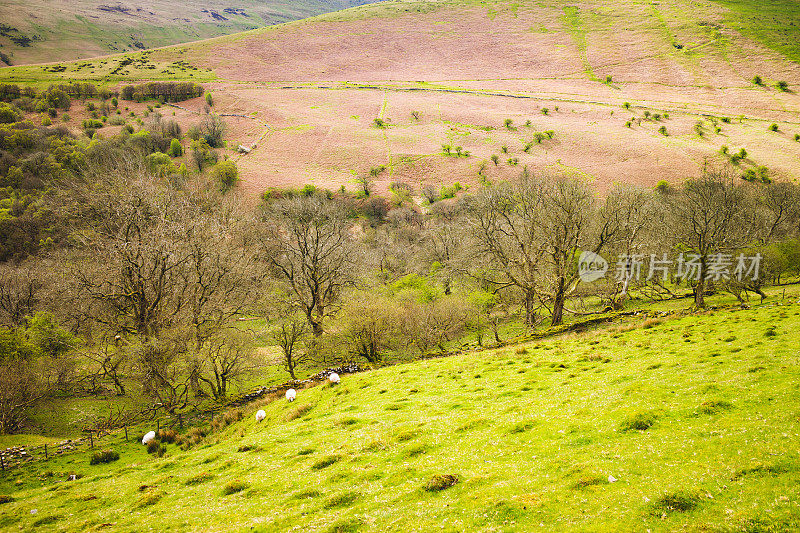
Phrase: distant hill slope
(49, 30)
(633, 91)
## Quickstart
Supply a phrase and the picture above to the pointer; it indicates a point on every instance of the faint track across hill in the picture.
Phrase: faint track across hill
(552, 98)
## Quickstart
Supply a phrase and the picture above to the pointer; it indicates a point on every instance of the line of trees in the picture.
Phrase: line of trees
(169, 91)
(147, 276)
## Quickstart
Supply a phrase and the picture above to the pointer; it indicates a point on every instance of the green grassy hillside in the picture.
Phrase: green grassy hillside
(696, 417)
(47, 31)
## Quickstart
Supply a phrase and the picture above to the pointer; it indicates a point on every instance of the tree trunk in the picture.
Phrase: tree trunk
(558, 303)
(699, 293)
(530, 308)
(316, 323)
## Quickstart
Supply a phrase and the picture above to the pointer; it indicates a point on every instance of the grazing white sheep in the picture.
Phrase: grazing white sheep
(260, 415)
(150, 435)
(291, 394)
(334, 377)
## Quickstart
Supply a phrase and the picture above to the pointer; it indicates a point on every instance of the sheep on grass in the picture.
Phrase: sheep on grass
(291, 394)
(334, 378)
(260, 415)
(150, 435)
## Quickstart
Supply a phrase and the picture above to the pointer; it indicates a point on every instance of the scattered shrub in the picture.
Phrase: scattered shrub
(167, 435)
(663, 131)
(757, 80)
(450, 191)
(92, 124)
(773, 127)
(103, 457)
(782, 86)
(175, 148)
(5, 498)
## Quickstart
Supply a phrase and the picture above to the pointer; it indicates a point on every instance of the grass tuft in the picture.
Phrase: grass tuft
(233, 486)
(640, 421)
(681, 502)
(103, 457)
(325, 462)
(440, 482)
(297, 412)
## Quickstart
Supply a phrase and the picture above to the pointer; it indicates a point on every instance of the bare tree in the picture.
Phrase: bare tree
(504, 222)
(430, 325)
(225, 358)
(780, 209)
(308, 242)
(19, 386)
(20, 292)
(369, 327)
(291, 336)
(710, 215)
(111, 361)
(631, 213)
(530, 231)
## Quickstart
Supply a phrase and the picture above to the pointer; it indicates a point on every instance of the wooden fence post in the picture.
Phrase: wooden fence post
(126, 433)
(45, 450)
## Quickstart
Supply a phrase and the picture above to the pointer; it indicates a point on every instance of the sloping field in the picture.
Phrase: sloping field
(675, 424)
(452, 73)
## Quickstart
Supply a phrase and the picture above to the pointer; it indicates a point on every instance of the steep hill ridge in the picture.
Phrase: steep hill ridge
(45, 30)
